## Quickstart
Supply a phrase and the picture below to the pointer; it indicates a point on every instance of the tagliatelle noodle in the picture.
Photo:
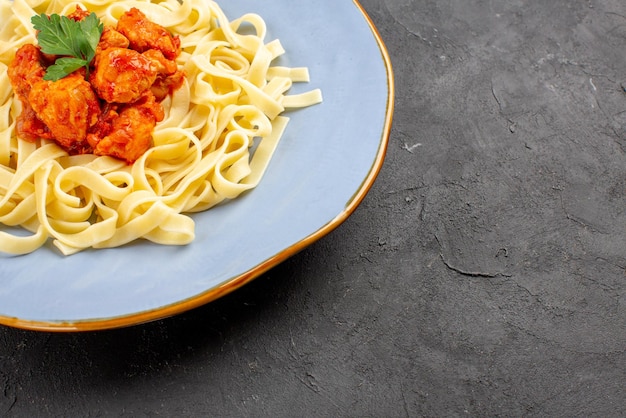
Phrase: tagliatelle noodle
(232, 98)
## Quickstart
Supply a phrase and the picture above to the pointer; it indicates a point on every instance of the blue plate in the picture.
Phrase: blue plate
(326, 162)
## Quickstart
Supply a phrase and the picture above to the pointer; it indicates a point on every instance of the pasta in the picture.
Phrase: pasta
(232, 98)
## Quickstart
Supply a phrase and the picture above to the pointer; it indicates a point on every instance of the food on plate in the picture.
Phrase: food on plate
(120, 119)
(92, 94)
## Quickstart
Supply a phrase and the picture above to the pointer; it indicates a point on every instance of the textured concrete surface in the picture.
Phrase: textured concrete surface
(484, 274)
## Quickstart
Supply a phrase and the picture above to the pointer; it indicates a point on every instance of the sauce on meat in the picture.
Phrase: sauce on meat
(114, 110)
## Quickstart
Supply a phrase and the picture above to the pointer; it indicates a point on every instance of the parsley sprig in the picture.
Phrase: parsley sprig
(75, 41)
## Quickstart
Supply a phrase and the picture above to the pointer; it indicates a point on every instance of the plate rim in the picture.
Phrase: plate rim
(242, 279)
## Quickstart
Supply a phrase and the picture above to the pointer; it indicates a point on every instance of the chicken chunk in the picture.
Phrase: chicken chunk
(29, 127)
(125, 131)
(25, 70)
(122, 75)
(78, 14)
(163, 65)
(68, 107)
(169, 77)
(144, 34)
(111, 38)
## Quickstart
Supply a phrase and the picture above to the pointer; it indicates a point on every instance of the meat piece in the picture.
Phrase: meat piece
(169, 78)
(122, 75)
(163, 65)
(167, 85)
(111, 38)
(79, 14)
(68, 107)
(29, 127)
(125, 132)
(144, 34)
(25, 70)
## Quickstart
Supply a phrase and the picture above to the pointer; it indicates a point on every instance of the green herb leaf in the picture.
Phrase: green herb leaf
(75, 41)
(52, 37)
(63, 67)
(91, 28)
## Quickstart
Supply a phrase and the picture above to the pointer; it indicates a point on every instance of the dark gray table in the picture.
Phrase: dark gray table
(483, 275)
